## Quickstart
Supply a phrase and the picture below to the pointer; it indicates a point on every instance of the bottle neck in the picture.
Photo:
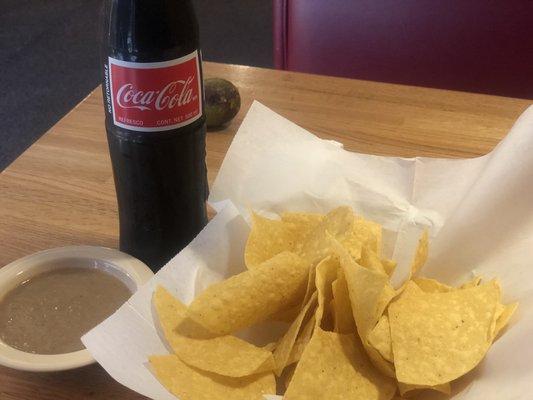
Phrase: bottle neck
(150, 30)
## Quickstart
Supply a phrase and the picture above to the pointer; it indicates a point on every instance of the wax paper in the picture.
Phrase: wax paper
(479, 214)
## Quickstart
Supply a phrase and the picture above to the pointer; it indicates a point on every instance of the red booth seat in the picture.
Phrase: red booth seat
(470, 45)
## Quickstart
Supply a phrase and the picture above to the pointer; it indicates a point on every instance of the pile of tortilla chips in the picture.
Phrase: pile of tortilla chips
(350, 334)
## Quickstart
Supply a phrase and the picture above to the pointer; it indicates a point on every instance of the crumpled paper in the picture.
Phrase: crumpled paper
(479, 213)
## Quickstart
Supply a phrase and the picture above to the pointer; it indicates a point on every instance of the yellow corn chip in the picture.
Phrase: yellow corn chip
(317, 245)
(302, 341)
(190, 384)
(365, 288)
(370, 234)
(389, 266)
(270, 346)
(369, 293)
(335, 367)
(352, 243)
(504, 318)
(360, 233)
(287, 314)
(268, 238)
(344, 322)
(252, 296)
(497, 313)
(224, 355)
(350, 336)
(380, 338)
(310, 286)
(326, 273)
(409, 288)
(387, 294)
(339, 221)
(337, 224)
(431, 285)
(341, 224)
(472, 283)
(370, 260)
(438, 337)
(303, 222)
(286, 378)
(331, 313)
(286, 343)
(409, 389)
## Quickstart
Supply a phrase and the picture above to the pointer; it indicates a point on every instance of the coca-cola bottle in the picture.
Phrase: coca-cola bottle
(153, 100)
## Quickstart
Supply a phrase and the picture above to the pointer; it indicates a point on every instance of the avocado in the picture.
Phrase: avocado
(222, 101)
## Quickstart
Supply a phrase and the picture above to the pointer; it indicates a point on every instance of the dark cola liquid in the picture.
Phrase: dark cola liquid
(160, 175)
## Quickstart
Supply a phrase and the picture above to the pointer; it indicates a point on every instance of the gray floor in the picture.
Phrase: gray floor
(49, 57)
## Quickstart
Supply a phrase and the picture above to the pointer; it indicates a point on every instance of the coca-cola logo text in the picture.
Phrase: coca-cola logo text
(177, 93)
(155, 96)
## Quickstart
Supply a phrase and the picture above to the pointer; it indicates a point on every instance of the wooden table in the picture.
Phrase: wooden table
(60, 191)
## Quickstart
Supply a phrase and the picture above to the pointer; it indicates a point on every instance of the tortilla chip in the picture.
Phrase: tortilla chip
(270, 346)
(352, 243)
(302, 341)
(380, 338)
(474, 282)
(343, 320)
(409, 288)
(369, 293)
(438, 337)
(317, 246)
(224, 355)
(387, 294)
(408, 389)
(341, 224)
(371, 234)
(285, 379)
(432, 285)
(331, 314)
(335, 367)
(326, 273)
(311, 277)
(339, 221)
(365, 288)
(389, 266)
(304, 223)
(370, 260)
(504, 318)
(188, 383)
(287, 314)
(360, 233)
(337, 224)
(497, 313)
(350, 231)
(251, 296)
(268, 238)
(286, 343)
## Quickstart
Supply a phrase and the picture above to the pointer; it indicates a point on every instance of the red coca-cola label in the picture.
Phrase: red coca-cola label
(155, 96)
